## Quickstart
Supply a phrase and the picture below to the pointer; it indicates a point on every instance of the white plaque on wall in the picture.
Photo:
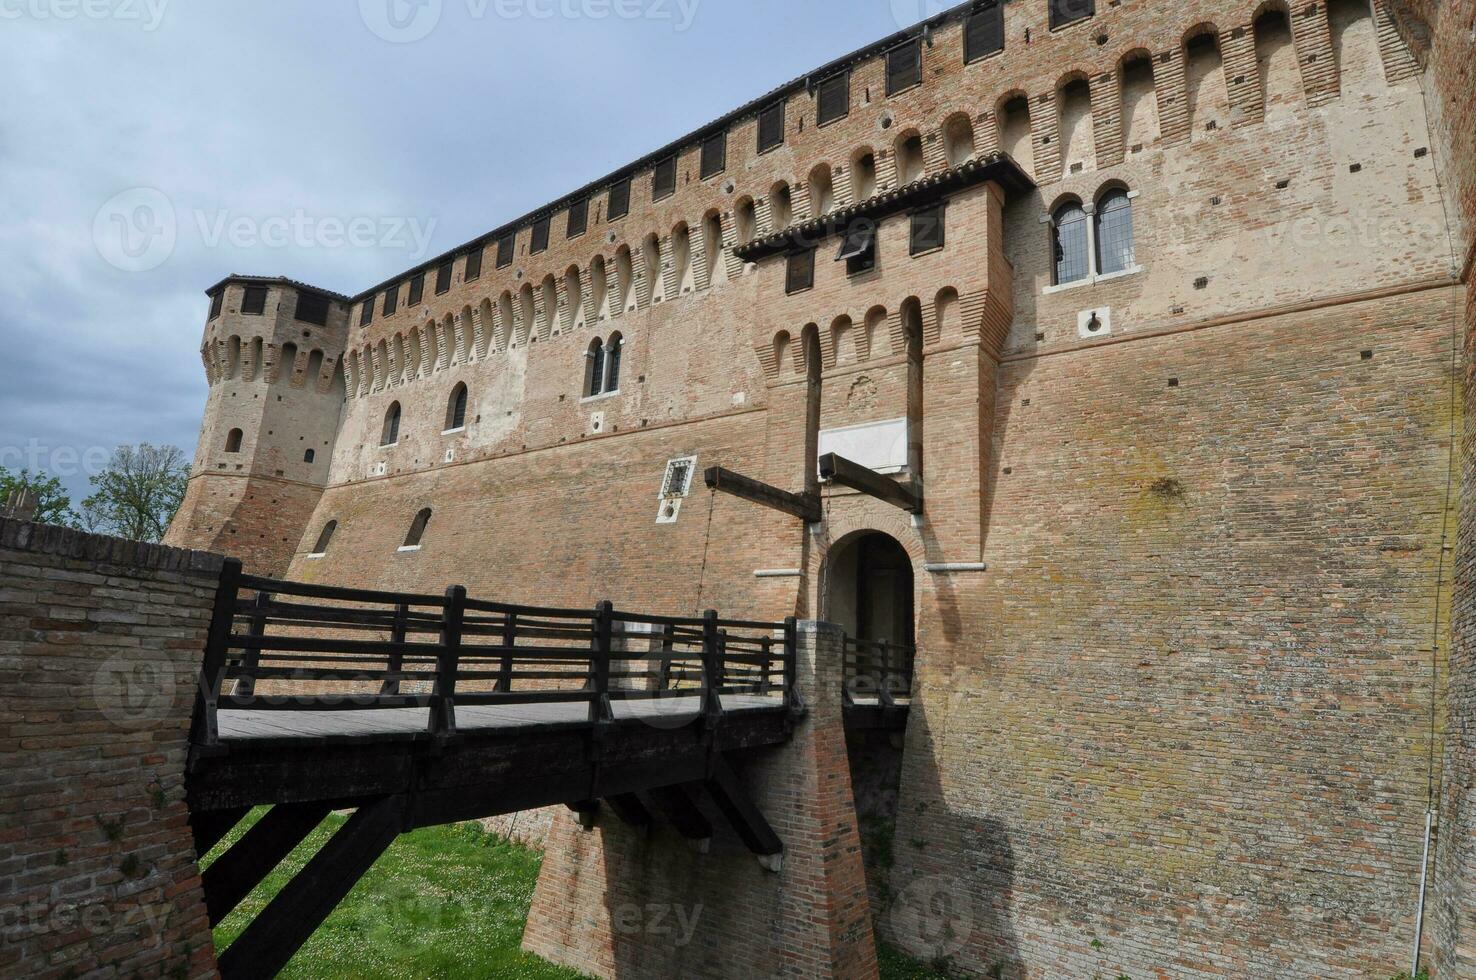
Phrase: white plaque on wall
(879, 446)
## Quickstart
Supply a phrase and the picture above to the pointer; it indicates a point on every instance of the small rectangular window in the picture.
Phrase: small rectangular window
(928, 230)
(540, 236)
(417, 290)
(771, 127)
(678, 481)
(443, 278)
(391, 299)
(506, 247)
(904, 67)
(834, 99)
(217, 300)
(619, 200)
(254, 302)
(858, 248)
(473, 264)
(801, 272)
(366, 314)
(578, 218)
(1065, 12)
(663, 179)
(984, 31)
(312, 308)
(715, 155)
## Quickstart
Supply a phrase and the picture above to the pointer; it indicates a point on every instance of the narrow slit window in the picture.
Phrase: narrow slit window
(928, 230)
(858, 248)
(984, 33)
(664, 179)
(578, 218)
(594, 368)
(254, 302)
(1065, 12)
(325, 538)
(904, 67)
(619, 205)
(613, 352)
(715, 154)
(417, 530)
(800, 274)
(833, 100)
(391, 434)
(456, 409)
(771, 127)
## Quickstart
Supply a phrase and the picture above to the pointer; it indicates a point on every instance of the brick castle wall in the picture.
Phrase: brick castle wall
(100, 645)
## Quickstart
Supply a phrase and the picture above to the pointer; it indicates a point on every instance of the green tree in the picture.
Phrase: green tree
(138, 492)
(54, 506)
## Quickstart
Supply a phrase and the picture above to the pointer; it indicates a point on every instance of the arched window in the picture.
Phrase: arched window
(324, 539)
(958, 138)
(781, 207)
(391, 434)
(310, 456)
(747, 220)
(417, 530)
(612, 363)
(863, 176)
(712, 248)
(910, 164)
(822, 191)
(1114, 232)
(233, 441)
(1069, 238)
(1015, 135)
(456, 409)
(594, 368)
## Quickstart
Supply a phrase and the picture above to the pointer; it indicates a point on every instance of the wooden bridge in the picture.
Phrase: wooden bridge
(419, 710)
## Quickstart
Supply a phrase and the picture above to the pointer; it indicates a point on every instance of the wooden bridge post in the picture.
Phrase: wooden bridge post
(792, 698)
(443, 702)
(509, 641)
(246, 686)
(391, 685)
(712, 668)
(204, 729)
(600, 711)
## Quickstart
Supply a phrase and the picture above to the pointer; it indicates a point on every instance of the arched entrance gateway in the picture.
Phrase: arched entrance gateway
(868, 588)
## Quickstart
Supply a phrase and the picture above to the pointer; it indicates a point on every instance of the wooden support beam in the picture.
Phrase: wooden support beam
(805, 506)
(677, 804)
(210, 828)
(281, 928)
(629, 808)
(906, 496)
(235, 873)
(753, 828)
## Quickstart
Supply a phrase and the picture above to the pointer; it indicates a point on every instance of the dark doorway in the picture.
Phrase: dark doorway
(870, 590)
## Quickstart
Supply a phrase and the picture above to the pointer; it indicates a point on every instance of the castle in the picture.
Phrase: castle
(1156, 310)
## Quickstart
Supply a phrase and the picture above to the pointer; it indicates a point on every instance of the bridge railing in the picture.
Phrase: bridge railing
(878, 672)
(294, 646)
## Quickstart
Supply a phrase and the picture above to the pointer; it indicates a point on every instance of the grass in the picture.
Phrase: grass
(441, 902)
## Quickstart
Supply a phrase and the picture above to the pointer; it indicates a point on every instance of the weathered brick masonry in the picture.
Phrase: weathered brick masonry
(1181, 583)
(100, 643)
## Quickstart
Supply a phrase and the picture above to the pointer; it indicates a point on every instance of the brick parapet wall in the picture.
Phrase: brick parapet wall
(100, 642)
(610, 902)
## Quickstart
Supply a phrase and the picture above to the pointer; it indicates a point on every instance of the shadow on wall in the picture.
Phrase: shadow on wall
(953, 881)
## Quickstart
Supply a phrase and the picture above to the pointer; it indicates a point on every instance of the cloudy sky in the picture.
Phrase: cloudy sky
(255, 134)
